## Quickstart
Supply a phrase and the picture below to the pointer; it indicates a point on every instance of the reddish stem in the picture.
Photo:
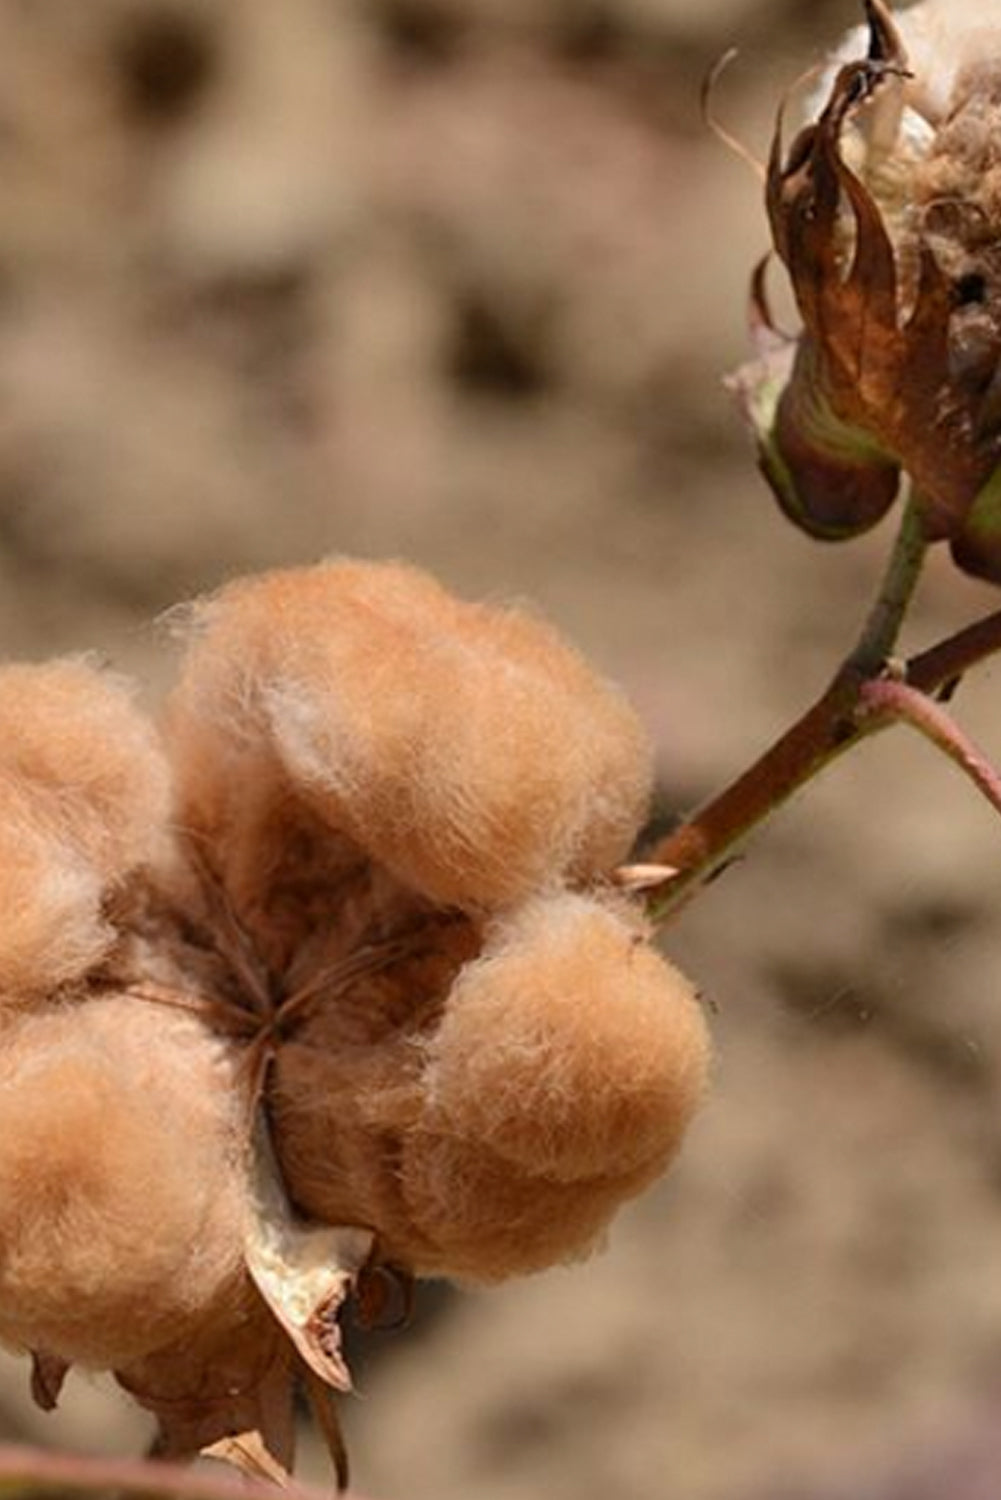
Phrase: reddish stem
(889, 699)
(836, 722)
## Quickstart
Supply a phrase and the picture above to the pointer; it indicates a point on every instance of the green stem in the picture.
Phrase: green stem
(882, 627)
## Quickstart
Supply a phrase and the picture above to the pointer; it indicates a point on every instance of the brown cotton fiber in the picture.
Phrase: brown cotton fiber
(466, 748)
(120, 1178)
(77, 747)
(83, 801)
(480, 1220)
(52, 930)
(571, 1048)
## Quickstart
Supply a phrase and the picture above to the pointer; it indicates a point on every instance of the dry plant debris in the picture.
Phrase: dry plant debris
(327, 979)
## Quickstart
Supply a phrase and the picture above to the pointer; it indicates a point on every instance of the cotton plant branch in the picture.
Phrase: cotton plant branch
(870, 691)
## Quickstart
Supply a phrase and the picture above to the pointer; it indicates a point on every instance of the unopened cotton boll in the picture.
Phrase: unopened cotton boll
(120, 1179)
(465, 748)
(571, 1048)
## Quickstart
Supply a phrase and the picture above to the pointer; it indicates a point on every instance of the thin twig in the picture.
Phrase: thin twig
(900, 702)
(882, 627)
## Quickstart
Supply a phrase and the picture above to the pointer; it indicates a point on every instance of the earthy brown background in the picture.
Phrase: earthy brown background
(456, 280)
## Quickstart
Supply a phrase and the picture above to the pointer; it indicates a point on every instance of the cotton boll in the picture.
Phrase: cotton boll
(466, 748)
(570, 1049)
(86, 760)
(120, 1178)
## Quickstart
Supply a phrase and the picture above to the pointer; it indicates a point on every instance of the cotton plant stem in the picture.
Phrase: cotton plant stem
(882, 627)
(836, 722)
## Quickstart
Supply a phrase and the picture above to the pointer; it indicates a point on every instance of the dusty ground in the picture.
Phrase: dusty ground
(456, 280)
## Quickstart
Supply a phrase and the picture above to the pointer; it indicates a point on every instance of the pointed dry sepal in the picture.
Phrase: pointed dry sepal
(303, 1271)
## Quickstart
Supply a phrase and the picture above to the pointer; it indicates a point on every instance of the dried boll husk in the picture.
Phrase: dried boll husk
(227, 1373)
(121, 1178)
(84, 797)
(464, 748)
(487, 1115)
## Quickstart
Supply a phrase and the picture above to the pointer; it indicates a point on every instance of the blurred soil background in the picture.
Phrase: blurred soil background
(457, 280)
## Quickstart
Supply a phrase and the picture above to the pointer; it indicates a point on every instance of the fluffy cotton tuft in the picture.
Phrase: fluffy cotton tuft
(120, 1178)
(83, 802)
(570, 1049)
(482, 1221)
(465, 748)
(88, 761)
(51, 930)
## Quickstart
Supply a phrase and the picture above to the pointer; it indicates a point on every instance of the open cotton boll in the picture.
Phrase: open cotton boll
(570, 1049)
(86, 761)
(120, 1180)
(466, 748)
